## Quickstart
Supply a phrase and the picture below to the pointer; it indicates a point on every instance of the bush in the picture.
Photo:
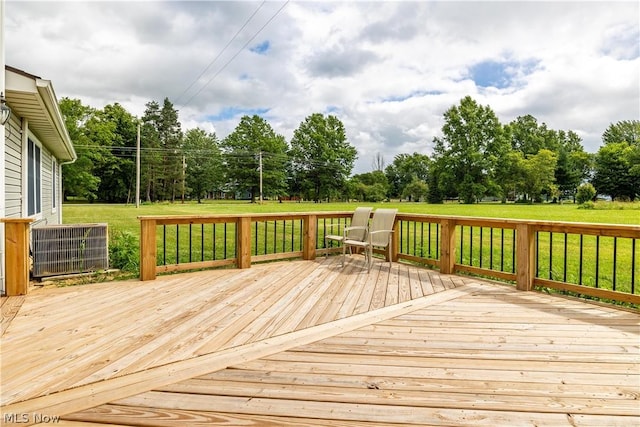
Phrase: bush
(586, 192)
(124, 251)
(587, 205)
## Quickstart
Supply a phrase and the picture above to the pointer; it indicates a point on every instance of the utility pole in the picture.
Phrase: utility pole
(138, 168)
(184, 168)
(260, 177)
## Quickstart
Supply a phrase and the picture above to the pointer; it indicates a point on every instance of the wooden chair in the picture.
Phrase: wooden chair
(379, 235)
(356, 231)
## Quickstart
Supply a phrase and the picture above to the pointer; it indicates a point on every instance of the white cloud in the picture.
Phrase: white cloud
(388, 70)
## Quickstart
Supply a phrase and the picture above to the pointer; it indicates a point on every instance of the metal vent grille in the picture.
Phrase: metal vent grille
(67, 249)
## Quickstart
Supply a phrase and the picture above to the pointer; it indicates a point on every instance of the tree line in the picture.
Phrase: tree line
(476, 157)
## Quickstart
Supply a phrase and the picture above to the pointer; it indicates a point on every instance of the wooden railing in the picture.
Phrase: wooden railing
(16, 246)
(598, 260)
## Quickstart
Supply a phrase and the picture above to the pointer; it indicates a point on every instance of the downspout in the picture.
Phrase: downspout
(59, 192)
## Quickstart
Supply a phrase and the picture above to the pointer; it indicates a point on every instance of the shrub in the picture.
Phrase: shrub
(124, 252)
(586, 192)
(587, 205)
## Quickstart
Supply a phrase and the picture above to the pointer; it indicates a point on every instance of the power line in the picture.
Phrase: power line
(236, 54)
(177, 153)
(221, 52)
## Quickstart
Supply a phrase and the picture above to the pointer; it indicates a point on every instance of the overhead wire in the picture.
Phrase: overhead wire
(246, 22)
(178, 153)
(236, 54)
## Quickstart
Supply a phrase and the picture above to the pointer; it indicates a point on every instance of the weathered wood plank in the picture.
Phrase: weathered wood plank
(477, 354)
(106, 414)
(242, 325)
(414, 283)
(393, 286)
(434, 385)
(378, 370)
(328, 307)
(354, 357)
(425, 282)
(364, 302)
(102, 392)
(372, 394)
(10, 308)
(338, 411)
(359, 284)
(381, 285)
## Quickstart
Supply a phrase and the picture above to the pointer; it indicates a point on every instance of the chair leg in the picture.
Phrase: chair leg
(344, 252)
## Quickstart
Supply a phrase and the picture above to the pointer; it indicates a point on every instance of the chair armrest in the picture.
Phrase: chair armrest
(381, 231)
(346, 230)
(355, 227)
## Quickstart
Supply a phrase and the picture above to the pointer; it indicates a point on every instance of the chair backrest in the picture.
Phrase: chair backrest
(360, 218)
(383, 219)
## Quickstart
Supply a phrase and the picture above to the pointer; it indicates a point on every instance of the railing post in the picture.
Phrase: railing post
(16, 243)
(447, 246)
(243, 238)
(148, 249)
(525, 257)
(395, 241)
(309, 233)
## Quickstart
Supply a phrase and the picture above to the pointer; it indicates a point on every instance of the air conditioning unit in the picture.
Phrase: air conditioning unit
(69, 248)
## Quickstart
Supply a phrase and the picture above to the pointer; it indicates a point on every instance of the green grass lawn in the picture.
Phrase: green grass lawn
(124, 217)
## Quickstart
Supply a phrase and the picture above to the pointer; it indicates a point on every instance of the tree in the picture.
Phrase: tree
(623, 131)
(405, 169)
(528, 137)
(586, 192)
(321, 156)
(617, 163)
(252, 138)
(471, 145)
(574, 164)
(117, 169)
(150, 158)
(378, 162)
(539, 174)
(203, 159)
(161, 140)
(509, 175)
(616, 171)
(416, 190)
(170, 142)
(370, 186)
(78, 178)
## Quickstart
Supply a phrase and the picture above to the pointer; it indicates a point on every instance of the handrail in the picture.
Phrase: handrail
(16, 245)
(504, 249)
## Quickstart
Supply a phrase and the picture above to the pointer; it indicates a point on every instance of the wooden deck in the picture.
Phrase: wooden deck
(310, 343)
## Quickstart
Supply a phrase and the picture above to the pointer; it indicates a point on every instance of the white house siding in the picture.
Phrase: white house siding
(13, 169)
(48, 215)
(15, 207)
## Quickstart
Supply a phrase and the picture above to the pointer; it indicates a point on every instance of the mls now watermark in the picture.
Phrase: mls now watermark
(24, 418)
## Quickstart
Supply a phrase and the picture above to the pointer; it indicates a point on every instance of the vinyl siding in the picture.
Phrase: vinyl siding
(48, 215)
(14, 184)
(13, 169)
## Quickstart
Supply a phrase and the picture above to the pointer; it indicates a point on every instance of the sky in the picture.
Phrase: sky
(388, 70)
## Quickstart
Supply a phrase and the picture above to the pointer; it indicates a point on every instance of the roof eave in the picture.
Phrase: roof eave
(33, 98)
(45, 89)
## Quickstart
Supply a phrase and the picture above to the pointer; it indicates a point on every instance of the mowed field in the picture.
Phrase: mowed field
(125, 217)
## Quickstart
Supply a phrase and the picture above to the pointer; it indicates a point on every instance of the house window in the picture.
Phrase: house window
(34, 189)
(54, 184)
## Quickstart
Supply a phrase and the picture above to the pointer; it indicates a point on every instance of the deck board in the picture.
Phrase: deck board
(9, 309)
(312, 343)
